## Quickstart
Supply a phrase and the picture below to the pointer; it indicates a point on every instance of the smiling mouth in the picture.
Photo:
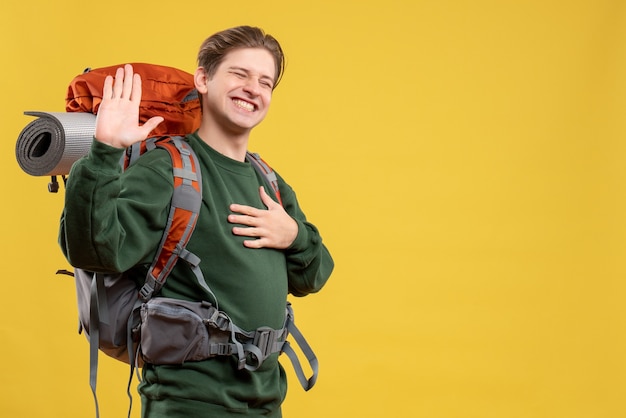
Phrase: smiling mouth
(244, 105)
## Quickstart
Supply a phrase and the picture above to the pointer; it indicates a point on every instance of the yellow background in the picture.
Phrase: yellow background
(465, 161)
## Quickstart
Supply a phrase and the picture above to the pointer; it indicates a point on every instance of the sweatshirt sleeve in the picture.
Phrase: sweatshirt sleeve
(309, 263)
(113, 220)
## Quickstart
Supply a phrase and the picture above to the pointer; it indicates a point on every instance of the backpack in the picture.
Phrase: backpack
(118, 318)
(166, 91)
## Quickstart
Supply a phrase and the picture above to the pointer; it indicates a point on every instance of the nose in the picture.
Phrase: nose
(251, 86)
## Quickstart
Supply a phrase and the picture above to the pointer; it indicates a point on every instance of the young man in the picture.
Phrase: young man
(254, 251)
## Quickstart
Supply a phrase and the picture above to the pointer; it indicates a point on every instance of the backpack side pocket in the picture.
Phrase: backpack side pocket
(174, 331)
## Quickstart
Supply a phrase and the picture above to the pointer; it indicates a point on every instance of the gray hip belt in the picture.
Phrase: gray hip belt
(174, 331)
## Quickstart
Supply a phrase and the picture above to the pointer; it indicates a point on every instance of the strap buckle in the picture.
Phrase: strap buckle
(146, 292)
(218, 319)
(265, 339)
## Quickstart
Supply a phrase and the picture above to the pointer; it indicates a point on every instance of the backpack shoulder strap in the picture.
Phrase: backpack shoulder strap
(137, 149)
(266, 171)
(184, 210)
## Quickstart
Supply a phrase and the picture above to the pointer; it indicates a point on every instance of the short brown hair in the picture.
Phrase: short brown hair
(214, 48)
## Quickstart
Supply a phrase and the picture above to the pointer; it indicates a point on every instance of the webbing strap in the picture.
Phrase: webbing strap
(133, 351)
(185, 174)
(94, 338)
(266, 171)
(306, 350)
(202, 282)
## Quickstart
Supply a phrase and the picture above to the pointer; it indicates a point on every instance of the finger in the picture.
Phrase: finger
(127, 86)
(135, 93)
(254, 243)
(244, 210)
(107, 89)
(246, 232)
(242, 220)
(266, 199)
(118, 83)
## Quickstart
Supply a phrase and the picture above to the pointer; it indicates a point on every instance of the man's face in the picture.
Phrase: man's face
(240, 91)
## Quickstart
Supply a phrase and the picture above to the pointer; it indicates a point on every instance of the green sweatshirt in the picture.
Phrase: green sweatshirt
(114, 221)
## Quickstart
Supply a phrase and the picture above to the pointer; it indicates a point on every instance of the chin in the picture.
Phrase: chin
(247, 124)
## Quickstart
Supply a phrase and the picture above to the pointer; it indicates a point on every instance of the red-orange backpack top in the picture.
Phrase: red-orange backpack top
(166, 91)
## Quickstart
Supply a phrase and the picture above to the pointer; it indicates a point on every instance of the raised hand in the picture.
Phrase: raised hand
(271, 228)
(117, 122)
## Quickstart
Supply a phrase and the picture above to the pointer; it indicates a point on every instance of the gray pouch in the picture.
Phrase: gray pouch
(174, 331)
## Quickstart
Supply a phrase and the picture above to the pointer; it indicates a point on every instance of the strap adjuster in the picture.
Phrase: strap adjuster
(146, 292)
(218, 319)
(264, 339)
(220, 350)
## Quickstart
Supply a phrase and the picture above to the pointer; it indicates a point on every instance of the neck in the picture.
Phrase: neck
(230, 144)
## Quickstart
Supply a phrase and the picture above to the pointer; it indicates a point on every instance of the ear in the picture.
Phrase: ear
(200, 80)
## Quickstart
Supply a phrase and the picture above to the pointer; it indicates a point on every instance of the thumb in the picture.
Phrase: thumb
(265, 198)
(151, 124)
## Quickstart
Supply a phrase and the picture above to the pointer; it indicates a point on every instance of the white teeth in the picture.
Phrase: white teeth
(244, 105)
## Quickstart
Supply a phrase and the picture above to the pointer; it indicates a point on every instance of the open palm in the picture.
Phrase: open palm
(117, 122)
